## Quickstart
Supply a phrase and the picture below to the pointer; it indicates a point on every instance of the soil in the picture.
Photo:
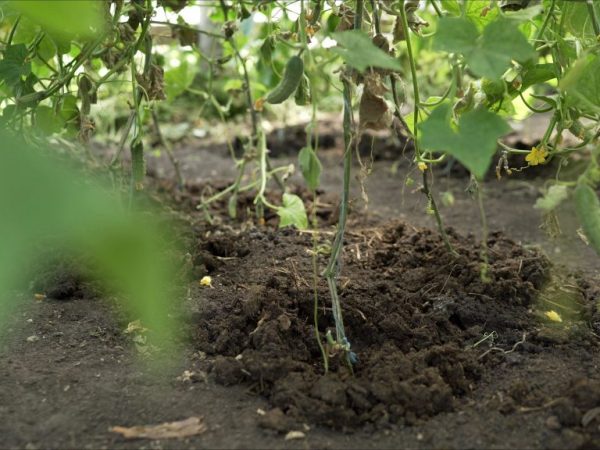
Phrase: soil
(445, 360)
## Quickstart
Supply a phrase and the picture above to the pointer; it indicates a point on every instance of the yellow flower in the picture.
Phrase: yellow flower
(553, 316)
(206, 281)
(422, 166)
(536, 156)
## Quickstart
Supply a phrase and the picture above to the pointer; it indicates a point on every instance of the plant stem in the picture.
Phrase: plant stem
(168, 148)
(426, 189)
(484, 235)
(333, 267)
(592, 13)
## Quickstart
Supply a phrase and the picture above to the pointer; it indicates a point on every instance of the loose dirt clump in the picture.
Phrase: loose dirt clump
(420, 320)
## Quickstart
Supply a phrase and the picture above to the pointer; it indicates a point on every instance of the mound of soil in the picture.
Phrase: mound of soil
(419, 319)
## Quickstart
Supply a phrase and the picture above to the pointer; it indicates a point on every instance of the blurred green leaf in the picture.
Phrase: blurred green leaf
(65, 18)
(292, 212)
(556, 194)
(582, 84)
(179, 78)
(47, 120)
(577, 18)
(358, 51)
(472, 142)
(46, 205)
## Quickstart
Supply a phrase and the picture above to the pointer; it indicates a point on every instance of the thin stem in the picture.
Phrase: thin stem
(168, 148)
(12, 31)
(484, 236)
(333, 267)
(592, 13)
(426, 189)
(437, 215)
(413, 71)
(540, 33)
(376, 19)
(185, 26)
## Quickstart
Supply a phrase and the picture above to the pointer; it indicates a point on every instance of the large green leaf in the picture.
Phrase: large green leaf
(472, 141)
(478, 12)
(64, 18)
(488, 54)
(358, 51)
(577, 18)
(456, 35)
(292, 212)
(582, 84)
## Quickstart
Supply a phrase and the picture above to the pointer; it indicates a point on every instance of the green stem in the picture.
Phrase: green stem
(484, 236)
(417, 100)
(540, 33)
(332, 270)
(592, 13)
(413, 72)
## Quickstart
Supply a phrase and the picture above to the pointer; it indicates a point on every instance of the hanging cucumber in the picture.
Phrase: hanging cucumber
(292, 76)
(138, 164)
(587, 206)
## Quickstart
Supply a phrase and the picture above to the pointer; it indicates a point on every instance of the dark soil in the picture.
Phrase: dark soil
(415, 313)
(445, 360)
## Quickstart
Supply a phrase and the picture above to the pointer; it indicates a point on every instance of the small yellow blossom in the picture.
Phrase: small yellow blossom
(553, 316)
(422, 166)
(536, 156)
(206, 281)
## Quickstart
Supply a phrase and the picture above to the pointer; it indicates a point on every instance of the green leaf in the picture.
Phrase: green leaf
(310, 167)
(179, 78)
(539, 73)
(358, 51)
(577, 18)
(14, 65)
(478, 12)
(46, 49)
(233, 84)
(556, 194)
(455, 35)
(65, 18)
(488, 54)
(472, 142)
(292, 212)
(502, 41)
(582, 84)
(47, 121)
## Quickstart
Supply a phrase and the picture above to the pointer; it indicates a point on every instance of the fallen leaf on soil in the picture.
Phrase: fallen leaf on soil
(293, 435)
(553, 316)
(183, 428)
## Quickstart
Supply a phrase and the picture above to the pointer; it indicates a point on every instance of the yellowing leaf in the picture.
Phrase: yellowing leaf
(553, 316)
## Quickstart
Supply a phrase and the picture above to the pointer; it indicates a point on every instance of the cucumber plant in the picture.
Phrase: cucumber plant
(464, 68)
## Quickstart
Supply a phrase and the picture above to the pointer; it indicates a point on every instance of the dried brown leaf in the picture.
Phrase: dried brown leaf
(168, 430)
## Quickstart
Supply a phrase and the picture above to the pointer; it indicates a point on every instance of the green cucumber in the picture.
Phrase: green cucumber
(294, 69)
(138, 164)
(587, 207)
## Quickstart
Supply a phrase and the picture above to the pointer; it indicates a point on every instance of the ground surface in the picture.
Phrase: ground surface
(415, 317)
